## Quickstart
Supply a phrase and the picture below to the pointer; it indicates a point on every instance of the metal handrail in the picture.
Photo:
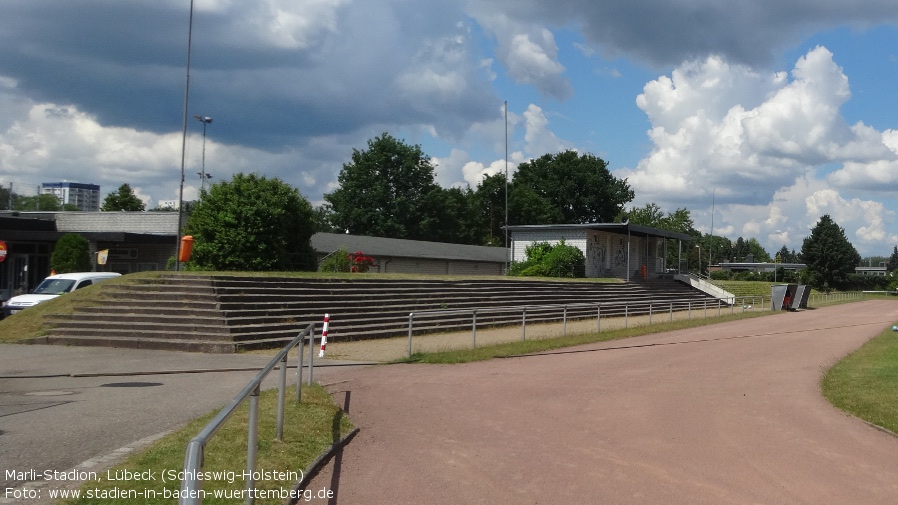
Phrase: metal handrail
(191, 486)
(622, 309)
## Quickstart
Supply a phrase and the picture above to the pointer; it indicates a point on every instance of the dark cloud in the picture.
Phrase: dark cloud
(124, 63)
(667, 32)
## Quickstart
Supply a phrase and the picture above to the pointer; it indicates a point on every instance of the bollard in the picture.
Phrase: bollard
(324, 336)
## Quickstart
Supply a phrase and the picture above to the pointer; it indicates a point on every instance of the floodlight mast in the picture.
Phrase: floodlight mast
(183, 144)
(203, 175)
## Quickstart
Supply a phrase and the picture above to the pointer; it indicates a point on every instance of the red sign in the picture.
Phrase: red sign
(2, 251)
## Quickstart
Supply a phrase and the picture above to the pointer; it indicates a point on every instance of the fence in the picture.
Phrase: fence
(193, 460)
(436, 321)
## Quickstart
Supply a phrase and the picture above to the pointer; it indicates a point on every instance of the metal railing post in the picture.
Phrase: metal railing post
(705, 309)
(598, 318)
(671, 312)
(689, 307)
(311, 356)
(474, 330)
(282, 389)
(524, 324)
(299, 351)
(252, 444)
(650, 313)
(564, 321)
(411, 318)
(626, 315)
(719, 305)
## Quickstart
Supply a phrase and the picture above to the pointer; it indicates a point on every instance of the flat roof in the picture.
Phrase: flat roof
(618, 228)
(393, 247)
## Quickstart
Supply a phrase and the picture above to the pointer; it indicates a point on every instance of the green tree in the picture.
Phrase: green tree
(489, 206)
(5, 198)
(71, 254)
(252, 223)
(457, 222)
(40, 202)
(387, 190)
(829, 255)
(576, 188)
(650, 215)
(123, 199)
(323, 222)
(757, 251)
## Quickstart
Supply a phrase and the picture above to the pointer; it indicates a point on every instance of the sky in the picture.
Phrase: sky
(759, 117)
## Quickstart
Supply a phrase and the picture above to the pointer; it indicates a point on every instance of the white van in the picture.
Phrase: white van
(53, 286)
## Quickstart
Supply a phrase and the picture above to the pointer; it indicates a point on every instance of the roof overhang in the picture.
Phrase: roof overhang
(616, 228)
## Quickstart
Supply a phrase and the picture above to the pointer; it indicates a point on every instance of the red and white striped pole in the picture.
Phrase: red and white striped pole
(324, 336)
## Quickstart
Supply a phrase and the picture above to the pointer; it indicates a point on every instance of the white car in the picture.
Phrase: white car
(53, 286)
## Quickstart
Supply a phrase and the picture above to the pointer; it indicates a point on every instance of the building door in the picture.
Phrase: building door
(18, 281)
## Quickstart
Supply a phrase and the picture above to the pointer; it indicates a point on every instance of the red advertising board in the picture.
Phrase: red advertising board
(3, 251)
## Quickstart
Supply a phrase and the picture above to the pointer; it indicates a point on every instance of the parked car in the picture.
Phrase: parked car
(53, 286)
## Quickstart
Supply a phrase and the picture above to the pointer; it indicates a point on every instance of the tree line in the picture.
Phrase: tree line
(390, 190)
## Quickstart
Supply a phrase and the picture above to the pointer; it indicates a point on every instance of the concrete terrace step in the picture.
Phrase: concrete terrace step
(224, 313)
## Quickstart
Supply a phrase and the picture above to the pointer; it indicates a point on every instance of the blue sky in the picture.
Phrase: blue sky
(778, 110)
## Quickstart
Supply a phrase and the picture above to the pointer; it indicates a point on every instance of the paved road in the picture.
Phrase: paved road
(50, 420)
(729, 413)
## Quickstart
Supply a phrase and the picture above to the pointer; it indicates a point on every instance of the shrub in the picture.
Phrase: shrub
(338, 261)
(545, 260)
(343, 261)
(71, 254)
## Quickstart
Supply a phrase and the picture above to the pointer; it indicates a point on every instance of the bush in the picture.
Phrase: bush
(343, 261)
(545, 260)
(71, 254)
(338, 261)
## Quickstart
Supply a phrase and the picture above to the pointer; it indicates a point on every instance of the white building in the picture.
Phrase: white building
(84, 196)
(623, 250)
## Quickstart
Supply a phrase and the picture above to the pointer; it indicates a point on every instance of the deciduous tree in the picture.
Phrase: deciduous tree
(123, 199)
(252, 223)
(387, 190)
(577, 188)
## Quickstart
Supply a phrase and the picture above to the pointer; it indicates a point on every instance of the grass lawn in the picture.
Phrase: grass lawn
(486, 352)
(865, 383)
(309, 429)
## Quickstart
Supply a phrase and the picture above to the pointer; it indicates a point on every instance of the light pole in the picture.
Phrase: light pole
(203, 175)
(699, 260)
(184, 144)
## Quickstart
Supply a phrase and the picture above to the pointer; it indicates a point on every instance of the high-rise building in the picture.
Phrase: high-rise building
(84, 196)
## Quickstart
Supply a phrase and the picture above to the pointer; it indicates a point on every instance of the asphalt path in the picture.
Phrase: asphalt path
(63, 406)
(729, 413)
